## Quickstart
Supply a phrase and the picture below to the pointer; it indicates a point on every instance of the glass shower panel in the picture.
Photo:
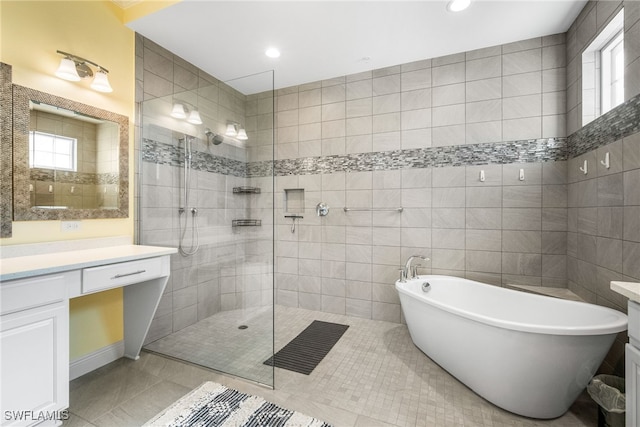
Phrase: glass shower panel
(208, 191)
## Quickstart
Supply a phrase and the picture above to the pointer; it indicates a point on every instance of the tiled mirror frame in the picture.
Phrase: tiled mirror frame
(6, 152)
(22, 209)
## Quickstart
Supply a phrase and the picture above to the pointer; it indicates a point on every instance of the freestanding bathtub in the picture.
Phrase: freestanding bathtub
(529, 354)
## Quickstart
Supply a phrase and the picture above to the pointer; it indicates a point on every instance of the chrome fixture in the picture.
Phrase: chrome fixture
(235, 130)
(213, 138)
(195, 244)
(322, 209)
(74, 68)
(409, 271)
(400, 209)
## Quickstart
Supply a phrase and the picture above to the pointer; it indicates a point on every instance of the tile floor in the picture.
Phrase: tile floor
(244, 351)
(374, 376)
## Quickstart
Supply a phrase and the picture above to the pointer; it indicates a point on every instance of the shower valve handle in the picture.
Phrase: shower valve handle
(194, 211)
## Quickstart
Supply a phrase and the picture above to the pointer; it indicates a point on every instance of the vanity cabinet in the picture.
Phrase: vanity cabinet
(632, 367)
(34, 320)
(632, 385)
(34, 350)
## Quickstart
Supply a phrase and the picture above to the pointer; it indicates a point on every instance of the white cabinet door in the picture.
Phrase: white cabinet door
(632, 385)
(34, 365)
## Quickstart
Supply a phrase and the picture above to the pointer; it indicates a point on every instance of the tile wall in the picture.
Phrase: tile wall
(500, 231)
(603, 242)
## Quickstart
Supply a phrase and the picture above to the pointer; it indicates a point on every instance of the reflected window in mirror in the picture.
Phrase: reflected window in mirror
(50, 151)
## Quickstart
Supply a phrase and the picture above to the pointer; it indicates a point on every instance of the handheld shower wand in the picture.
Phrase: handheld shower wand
(195, 244)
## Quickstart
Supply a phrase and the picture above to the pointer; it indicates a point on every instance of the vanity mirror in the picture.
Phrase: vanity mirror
(70, 160)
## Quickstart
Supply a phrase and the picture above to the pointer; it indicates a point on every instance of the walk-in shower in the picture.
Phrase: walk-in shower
(218, 308)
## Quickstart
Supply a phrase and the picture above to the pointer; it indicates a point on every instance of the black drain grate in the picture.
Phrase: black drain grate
(303, 353)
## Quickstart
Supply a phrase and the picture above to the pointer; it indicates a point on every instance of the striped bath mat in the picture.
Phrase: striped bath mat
(213, 404)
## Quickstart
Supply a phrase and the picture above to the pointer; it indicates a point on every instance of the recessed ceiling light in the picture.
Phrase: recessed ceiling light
(272, 52)
(458, 5)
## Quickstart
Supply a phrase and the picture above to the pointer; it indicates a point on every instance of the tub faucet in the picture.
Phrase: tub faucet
(409, 272)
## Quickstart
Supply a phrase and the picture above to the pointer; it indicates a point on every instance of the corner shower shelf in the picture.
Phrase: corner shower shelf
(246, 190)
(246, 223)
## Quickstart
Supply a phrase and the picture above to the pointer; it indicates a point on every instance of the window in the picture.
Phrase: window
(603, 71)
(50, 151)
(612, 60)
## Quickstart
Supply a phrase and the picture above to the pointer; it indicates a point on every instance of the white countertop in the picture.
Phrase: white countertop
(35, 265)
(630, 290)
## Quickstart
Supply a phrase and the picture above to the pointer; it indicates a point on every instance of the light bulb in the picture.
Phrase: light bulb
(178, 111)
(101, 82)
(231, 130)
(242, 135)
(67, 70)
(194, 118)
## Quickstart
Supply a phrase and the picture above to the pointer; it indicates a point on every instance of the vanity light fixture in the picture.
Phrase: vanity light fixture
(235, 130)
(101, 82)
(178, 111)
(231, 131)
(182, 110)
(458, 5)
(75, 68)
(242, 135)
(194, 118)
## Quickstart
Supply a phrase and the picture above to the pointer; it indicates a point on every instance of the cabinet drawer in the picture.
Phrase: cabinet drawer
(22, 294)
(633, 315)
(124, 273)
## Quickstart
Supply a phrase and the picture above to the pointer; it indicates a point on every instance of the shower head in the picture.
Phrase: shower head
(213, 138)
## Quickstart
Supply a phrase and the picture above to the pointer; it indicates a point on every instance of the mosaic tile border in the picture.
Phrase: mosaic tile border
(526, 151)
(622, 121)
(38, 174)
(529, 151)
(172, 155)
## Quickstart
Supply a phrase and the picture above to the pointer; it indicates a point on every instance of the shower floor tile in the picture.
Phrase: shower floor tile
(374, 376)
(236, 342)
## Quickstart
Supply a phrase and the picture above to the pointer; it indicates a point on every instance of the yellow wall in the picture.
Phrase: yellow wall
(30, 34)
(145, 7)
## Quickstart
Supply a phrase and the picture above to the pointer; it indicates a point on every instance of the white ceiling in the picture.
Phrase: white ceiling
(325, 39)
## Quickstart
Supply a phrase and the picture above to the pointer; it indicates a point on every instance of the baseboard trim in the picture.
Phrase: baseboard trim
(98, 358)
